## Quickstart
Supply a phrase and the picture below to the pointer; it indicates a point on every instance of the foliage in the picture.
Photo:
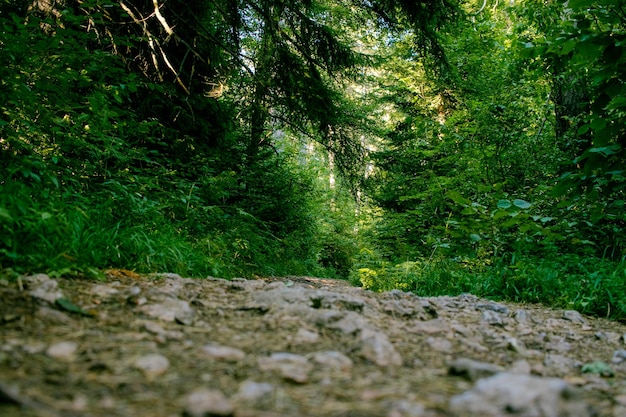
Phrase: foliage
(476, 170)
(104, 164)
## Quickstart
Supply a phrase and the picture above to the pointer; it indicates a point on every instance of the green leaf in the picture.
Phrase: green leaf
(504, 204)
(598, 368)
(606, 150)
(67, 305)
(523, 204)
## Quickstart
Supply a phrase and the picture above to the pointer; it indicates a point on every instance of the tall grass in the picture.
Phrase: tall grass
(590, 285)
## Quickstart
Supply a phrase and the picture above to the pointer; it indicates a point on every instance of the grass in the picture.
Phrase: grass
(590, 285)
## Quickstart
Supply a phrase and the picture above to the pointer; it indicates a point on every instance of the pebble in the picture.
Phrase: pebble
(254, 391)
(305, 337)
(63, 351)
(492, 318)
(333, 360)
(224, 353)
(471, 369)
(619, 356)
(439, 344)
(573, 316)
(156, 328)
(406, 408)
(292, 367)
(430, 326)
(152, 365)
(205, 402)
(171, 309)
(498, 308)
(103, 291)
(47, 290)
(522, 316)
(507, 394)
(53, 316)
(376, 348)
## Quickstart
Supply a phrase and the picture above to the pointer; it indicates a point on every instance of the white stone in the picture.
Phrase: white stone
(333, 360)
(377, 348)
(507, 394)
(254, 391)
(224, 353)
(207, 403)
(152, 365)
(63, 351)
(291, 367)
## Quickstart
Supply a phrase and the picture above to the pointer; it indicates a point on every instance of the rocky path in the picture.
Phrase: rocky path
(164, 346)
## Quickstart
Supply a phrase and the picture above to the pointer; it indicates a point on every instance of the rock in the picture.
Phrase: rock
(156, 328)
(33, 280)
(401, 308)
(336, 301)
(170, 309)
(507, 394)
(207, 403)
(492, 318)
(224, 353)
(520, 367)
(517, 346)
(305, 337)
(619, 356)
(46, 289)
(573, 316)
(405, 408)
(346, 322)
(103, 291)
(247, 285)
(333, 360)
(430, 327)
(375, 347)
(254, 391)
(63, 351)
(51, 315)
(439, 344)
(498, 308)
(559, 364)
(557, 344)
(292, 367)
(152, 365)
(522, 316)
(276, 297)
(471, 369)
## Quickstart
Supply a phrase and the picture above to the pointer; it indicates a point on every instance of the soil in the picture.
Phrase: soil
(163, 345)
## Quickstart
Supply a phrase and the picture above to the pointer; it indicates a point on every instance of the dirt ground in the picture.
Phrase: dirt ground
(163, 345)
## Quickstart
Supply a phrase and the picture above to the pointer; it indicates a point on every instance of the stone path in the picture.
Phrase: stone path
(296, 346)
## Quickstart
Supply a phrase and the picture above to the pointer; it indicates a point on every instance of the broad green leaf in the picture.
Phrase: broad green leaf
(598, 124)
(70, 307)
(606, 150)
(523, 204)
(504, 204)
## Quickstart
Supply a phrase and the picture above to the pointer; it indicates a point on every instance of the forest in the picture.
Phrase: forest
(438, 147)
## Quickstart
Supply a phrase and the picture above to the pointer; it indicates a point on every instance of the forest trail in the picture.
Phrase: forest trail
(166, 346)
